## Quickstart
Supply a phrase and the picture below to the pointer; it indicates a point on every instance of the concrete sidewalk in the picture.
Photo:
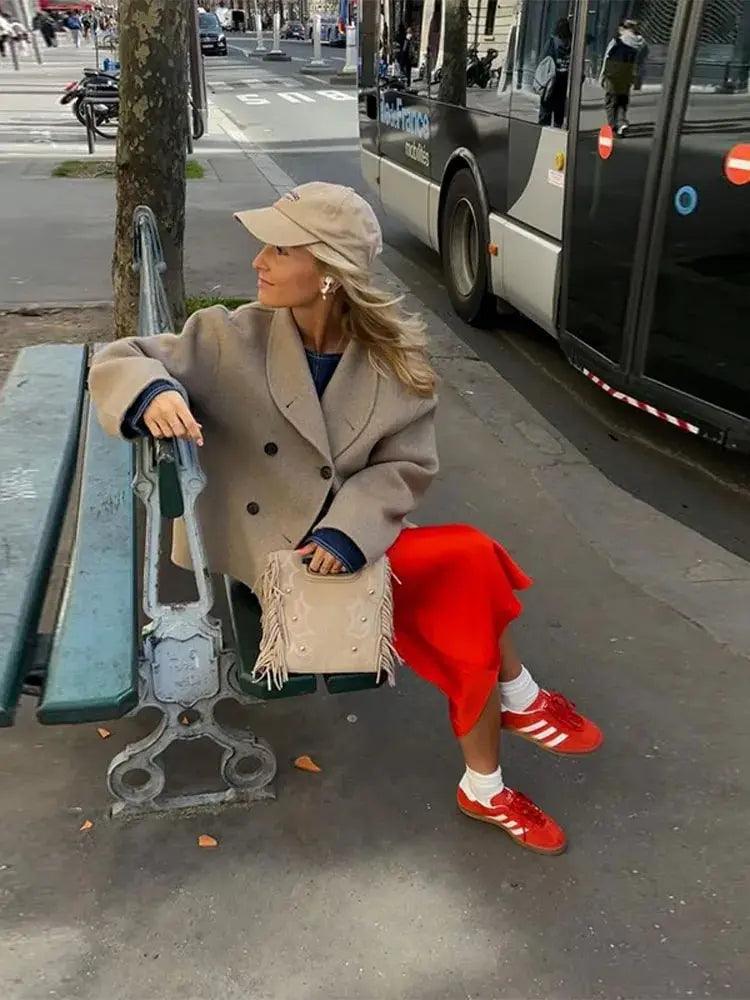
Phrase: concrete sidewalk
(363, 882)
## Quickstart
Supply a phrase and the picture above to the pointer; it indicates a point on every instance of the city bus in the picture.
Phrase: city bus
(594, 174)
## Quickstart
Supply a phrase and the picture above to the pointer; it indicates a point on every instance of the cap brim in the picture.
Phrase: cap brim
(269, 225)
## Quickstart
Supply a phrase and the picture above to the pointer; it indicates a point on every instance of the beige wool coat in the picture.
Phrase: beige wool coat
(273, 451)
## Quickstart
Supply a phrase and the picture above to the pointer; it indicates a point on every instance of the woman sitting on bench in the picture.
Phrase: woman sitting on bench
(315, 408)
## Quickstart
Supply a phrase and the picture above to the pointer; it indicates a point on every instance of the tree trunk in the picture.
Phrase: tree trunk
(452, 87)
(151, 144)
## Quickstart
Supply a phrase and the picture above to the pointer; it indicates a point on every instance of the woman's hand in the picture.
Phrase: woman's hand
(169, 416)
(322, 561)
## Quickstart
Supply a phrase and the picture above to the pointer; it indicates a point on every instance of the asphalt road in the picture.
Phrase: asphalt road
(302, 121)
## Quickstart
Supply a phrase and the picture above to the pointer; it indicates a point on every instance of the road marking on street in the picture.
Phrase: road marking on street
(219, 85)
(252, 99)
(336, 95)
(296, 97)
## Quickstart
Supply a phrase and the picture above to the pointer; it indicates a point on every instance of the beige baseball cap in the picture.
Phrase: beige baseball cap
(319, 213)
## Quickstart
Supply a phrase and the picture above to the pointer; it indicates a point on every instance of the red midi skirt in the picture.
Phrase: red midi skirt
(453, 598)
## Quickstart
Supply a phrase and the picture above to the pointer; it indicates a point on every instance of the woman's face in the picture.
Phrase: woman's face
(288, 277)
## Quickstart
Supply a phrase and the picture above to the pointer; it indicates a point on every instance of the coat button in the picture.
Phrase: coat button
(326, 472)
(253, 508)
(271, 448)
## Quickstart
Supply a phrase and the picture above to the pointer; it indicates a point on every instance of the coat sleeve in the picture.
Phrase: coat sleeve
(121, 371)
(370, 506)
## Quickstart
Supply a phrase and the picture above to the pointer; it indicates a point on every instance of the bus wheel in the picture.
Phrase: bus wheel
(464, 250)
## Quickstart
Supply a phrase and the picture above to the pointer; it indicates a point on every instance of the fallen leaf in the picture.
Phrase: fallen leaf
(184, 720)
(206, 841)
(86, 825)
(305, 763)
(104, 733)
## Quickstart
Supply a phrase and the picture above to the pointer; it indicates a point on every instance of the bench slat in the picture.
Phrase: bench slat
(93, 668)
(40, 411)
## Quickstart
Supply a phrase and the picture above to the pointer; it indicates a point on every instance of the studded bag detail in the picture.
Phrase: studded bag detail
(316, 624)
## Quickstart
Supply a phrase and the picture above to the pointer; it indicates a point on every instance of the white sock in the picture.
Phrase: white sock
(518, 694)
(482, 787)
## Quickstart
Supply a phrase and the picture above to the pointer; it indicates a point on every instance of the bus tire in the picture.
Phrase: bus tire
(463, 244)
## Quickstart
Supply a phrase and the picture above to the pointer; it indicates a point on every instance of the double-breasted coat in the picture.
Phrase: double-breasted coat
(275, 455)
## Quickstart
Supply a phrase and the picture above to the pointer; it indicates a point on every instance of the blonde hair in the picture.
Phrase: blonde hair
(396, 341)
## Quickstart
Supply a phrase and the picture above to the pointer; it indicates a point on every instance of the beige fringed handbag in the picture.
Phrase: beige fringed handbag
(315, 624)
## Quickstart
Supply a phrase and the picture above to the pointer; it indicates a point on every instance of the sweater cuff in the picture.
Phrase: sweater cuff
(340, 545)
(132, 424)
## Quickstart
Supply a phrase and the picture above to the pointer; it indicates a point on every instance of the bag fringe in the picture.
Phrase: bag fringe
(271, 665)
(388, 658)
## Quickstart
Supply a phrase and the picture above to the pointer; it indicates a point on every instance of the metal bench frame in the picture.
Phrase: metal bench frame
(184, 670)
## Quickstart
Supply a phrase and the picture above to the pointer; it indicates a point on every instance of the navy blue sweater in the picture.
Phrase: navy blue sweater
(322, 367)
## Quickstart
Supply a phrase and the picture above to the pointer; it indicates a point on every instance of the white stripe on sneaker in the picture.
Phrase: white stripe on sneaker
(557, 740)
(534, 726)
(547, 732)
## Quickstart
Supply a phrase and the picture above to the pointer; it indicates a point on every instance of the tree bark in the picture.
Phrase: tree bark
(452, 87)
(151, 146)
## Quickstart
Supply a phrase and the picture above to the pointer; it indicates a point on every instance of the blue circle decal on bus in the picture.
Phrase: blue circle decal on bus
(686, 199)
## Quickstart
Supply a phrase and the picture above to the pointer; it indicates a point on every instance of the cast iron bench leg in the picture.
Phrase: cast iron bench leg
(184, 670)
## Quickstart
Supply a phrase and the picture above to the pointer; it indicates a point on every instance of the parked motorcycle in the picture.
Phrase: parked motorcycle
(479, 71)
(96, 83)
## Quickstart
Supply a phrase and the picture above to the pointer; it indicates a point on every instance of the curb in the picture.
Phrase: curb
(44, 308)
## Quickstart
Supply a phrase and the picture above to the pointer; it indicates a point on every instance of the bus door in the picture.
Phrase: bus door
(657, 227)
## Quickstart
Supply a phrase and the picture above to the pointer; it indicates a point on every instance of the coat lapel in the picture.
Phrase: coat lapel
(291, 384)
(349, 400)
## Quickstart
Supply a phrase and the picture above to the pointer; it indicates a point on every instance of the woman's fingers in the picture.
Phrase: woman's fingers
(191, 425)
(321, 560)
(317, 560)
(170, 416)
(156, 428)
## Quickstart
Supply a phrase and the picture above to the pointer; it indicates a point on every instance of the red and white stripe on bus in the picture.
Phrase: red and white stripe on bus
(623, 397)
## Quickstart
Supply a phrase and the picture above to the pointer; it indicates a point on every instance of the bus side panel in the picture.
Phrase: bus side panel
(485, 135)
(526, 271)
(536, 179)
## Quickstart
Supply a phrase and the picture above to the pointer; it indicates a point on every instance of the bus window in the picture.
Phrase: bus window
(699, 339)
(624, 60)
(402, 59)
(542, 62)
(488, 54)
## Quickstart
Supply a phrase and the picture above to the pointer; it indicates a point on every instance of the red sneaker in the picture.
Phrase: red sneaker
(552, 722)
(517, 816)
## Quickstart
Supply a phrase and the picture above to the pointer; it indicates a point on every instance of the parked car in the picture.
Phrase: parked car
(293, 29)
(212, 34)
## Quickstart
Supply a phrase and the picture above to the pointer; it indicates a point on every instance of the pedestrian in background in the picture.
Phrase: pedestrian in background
(74, 25)
(318, 402)
(406, 55)
(553, 100)
(622, 69)
(6, 32)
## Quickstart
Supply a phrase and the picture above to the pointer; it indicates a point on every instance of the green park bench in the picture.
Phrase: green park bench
(60, 472)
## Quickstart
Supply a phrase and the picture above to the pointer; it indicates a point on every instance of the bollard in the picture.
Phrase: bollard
(317, 64)
(350, 66)
(22, 16)
(260, 46)
(276, 54)
(13, 53)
